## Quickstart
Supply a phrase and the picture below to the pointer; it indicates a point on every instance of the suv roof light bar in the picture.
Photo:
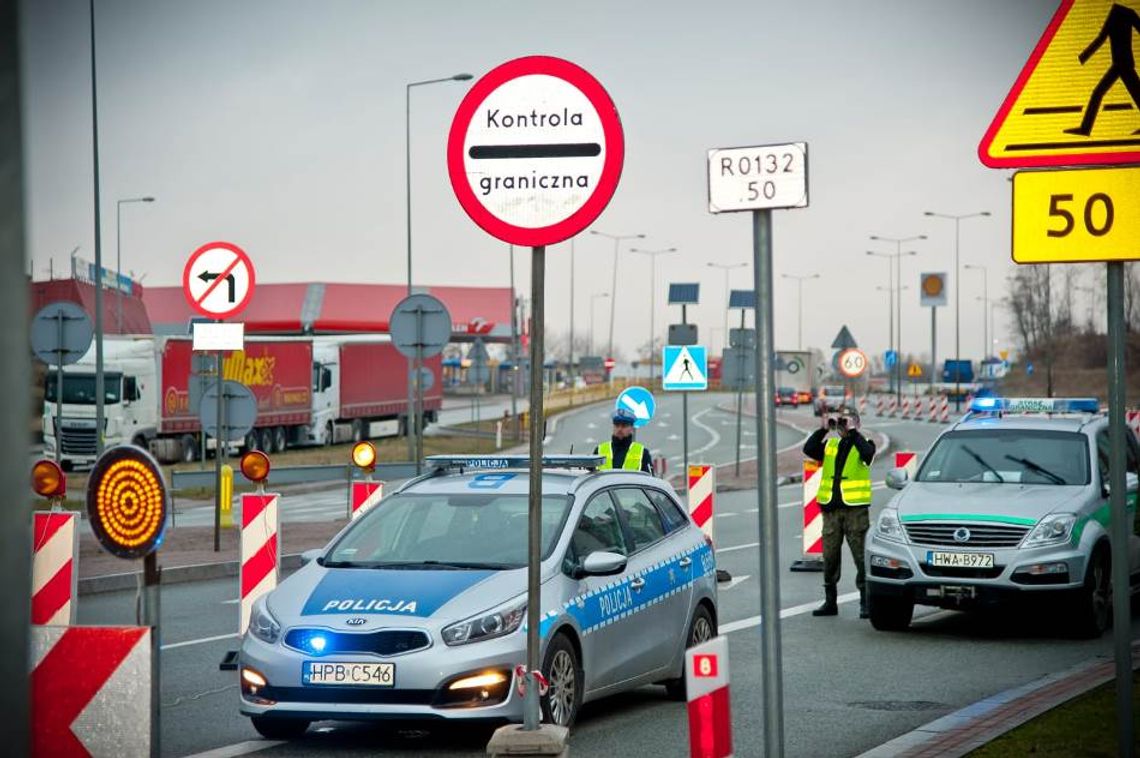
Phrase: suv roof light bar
(498, 462)
(1049, 405)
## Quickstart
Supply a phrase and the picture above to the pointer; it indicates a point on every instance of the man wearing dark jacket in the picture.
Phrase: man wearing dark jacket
(844, 498)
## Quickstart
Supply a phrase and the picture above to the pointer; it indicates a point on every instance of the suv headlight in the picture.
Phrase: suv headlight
(1051, 530)
(496, 622)
(888, 526)
(262, 624)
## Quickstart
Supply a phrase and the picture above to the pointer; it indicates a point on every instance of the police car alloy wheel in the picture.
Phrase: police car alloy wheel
(701, 629)
(562, 672)
(279, 728)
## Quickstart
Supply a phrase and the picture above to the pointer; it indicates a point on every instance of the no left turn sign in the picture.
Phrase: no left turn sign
(535, 151)
(218, 280)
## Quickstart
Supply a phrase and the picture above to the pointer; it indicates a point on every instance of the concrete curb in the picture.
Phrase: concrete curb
(199, 572)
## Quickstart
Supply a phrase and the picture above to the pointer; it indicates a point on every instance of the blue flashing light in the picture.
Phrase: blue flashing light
(514, 461)
(984, 404)
(1035, 405)
(318, 643)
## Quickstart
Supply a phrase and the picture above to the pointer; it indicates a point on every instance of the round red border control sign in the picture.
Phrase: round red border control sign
(535, 151)
(218, 280)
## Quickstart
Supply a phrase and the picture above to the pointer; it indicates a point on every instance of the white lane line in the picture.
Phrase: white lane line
(795, 610)
(737, 547)
(234, 601)
(238, 748)
(736, 580)
(200, 641)
(726, 515)
(715, 435)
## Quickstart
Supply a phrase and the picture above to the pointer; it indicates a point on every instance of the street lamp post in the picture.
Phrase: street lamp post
(957, 219)
(897, 256)
(413, 386)
(617, 238)
(119, 248)
(652, 298)
(800, 301)
(726, 267)
(594, 298)
(985, 306)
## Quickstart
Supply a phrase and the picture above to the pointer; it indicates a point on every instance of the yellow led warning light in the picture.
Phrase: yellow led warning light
(364, 455)
(255, 466)
(127, 503)
(48, 479)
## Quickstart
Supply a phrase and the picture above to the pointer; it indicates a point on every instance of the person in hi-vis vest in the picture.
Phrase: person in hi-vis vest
(622, 451)
(845, 499)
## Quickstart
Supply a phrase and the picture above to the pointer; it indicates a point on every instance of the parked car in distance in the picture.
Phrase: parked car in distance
(787, 396)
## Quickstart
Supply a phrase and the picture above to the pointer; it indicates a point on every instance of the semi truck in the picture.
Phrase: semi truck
(308, 392)
(800, 370)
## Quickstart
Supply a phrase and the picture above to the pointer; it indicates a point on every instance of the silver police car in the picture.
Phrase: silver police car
(417, 609)
(1010, 505)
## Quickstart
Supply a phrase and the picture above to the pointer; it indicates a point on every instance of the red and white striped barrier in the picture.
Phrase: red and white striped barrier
(906, 408)
(710, 707)
(879, 406)
(813, 521)
(932, 410)
(863, 406)
(702, 493)
(90, 691)
(365, 495)
(260, 550)
(907, 460)
(1132, 418)
(55, 567)
(892, 407)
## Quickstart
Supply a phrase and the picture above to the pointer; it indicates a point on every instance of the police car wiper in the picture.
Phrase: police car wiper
(446, 565)
(970, 452)
(1036, 468)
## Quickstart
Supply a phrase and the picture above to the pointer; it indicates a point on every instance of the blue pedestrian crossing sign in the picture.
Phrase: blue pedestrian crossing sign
(686, 367)
(638, 401)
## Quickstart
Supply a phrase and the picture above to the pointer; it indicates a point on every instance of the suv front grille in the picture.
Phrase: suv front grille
(387, 642)
(981, 535)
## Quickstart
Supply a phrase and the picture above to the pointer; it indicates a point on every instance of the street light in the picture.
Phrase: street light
(985, 305)
(957, 300)
(897, 255)
(617, 238)
(726, 267)
(652, 297)
(800, 300)
(119, 248)
(593, 298)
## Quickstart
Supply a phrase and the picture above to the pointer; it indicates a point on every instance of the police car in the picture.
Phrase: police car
(417, 610)
(1010, 504)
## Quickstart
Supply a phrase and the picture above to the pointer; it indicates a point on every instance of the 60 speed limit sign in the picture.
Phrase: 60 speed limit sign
(852, 363)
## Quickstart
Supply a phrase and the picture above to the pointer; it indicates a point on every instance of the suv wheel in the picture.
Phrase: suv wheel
(701, 629)
(890, 614)
(1094, 603)
(279, 728)
(564, 674)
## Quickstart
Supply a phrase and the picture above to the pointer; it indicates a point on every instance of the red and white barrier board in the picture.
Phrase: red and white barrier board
(908, 461)
(702, 491)
(260, 550)
(364, 496)
(813, 521)
(55, 567)
(706, 688)
(90, 691)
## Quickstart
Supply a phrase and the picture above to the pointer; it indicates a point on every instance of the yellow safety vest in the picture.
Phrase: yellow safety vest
(854, 483)
(632, 460)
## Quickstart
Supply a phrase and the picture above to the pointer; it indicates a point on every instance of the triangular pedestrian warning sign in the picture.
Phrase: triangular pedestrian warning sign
(1077, 100)
(844, 340)
(686, 368)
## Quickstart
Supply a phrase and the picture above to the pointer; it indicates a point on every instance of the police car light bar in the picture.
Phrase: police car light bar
(514, 461)
(1035, 405)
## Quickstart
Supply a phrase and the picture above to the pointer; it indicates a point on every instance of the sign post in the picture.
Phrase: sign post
(420, 327)
(759, 179)
(1082, 215)
(534, 154)
(61, 334)
(932, 294)
(742, 299)
(684, 364)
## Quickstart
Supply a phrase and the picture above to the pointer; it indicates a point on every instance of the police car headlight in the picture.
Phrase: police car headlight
(496, 622)
(888, 527)
(1054, 529)
(262, 624)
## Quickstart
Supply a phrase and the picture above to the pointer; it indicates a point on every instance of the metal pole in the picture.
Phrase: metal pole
(59, 392)
(739, 393)
(410, 424)
(534, 545)
(570, 360)
(957, 322)
(985, 311)
(800, 324)
(100, 389)
(1119, 523)
(613, 301)
(218, 454)
(685, 421)
(419, 407)
(891, 319)
(898, 322)
(933, 345)
(766, 487)
(652, 312)
(726, 297)
(515, 421)
(119, 261)
(152, 595)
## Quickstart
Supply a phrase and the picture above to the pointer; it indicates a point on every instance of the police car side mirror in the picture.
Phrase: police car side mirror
(603, 563)
(311, 555)
(897, 478)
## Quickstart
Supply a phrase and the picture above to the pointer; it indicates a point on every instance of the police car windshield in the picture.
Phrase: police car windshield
(1008, 456)
(447, 531)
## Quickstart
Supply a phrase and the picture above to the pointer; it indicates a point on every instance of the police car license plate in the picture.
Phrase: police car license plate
(960, 560)
(349, 674)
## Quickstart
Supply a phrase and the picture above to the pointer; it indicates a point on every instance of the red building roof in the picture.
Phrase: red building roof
(134, 320)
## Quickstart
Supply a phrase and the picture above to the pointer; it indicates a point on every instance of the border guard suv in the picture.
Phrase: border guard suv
(1010, 505)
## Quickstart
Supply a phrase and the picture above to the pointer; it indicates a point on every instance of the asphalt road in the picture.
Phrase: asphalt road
(847, 687)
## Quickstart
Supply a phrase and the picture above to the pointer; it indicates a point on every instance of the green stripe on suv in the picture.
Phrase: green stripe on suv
(969, 517)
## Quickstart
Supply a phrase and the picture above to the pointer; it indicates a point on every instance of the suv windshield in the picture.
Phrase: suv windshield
(79, 389)
(1008, 456)
(447, 530)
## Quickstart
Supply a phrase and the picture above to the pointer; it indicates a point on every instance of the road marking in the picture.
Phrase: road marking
(200, 641)
(238, 748)
(736, 547)
(726, 515)
(795, 610)
(591, 425)
(672, 437)
(736, 580)
(715, 435)
(234, 601)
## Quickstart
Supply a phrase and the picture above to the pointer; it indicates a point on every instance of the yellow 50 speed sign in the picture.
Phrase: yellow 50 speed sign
(1076, 216)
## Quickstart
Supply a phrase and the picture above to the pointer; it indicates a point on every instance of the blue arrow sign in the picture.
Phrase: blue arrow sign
(685, 367)
(640, 402)
(890, 358)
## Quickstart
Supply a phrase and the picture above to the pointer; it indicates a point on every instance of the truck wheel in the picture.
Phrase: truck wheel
(890, 614)
(357, 431)
(189, 448)
(1093, 611)
(251, 441)
(265, 440)
(328, 434)
(280, 439)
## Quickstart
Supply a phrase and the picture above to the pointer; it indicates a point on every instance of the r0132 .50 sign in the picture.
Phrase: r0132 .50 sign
(1076, 216)
(758, 178)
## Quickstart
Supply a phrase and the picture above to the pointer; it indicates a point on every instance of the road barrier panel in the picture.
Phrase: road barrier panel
(879, 408)
(813, 521)
(91, 691)
(365, 495)
(260, 550)
(702, 497)
(55, 567)
(710, 707)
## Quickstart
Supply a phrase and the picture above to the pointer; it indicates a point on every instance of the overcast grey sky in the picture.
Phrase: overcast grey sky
(279, 126)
